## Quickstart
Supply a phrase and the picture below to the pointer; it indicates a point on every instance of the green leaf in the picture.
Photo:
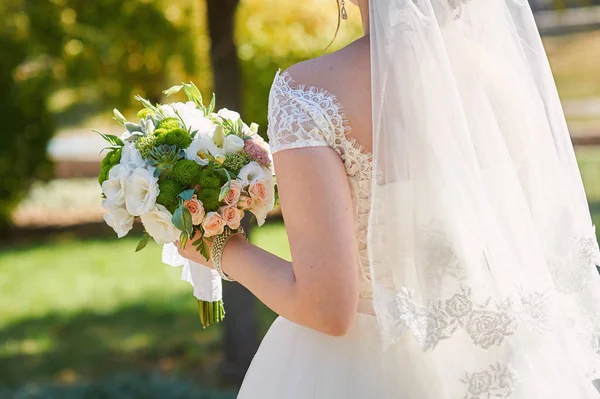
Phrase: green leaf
(147, 104)
(177, 219)
(187, 194)
(173, 90)
(211, 107)
(198, 241)
(111, 139)
(143, 242)
(192, 93)
(187, 220)
(226, 187)
(204, 250)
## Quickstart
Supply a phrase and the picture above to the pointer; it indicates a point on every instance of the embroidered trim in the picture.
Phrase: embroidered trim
(497, 381)
(487, 323)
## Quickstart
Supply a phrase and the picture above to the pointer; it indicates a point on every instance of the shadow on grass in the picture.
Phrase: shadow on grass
(86, 345)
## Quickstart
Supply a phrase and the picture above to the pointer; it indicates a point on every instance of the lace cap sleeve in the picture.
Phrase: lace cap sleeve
(296, 120)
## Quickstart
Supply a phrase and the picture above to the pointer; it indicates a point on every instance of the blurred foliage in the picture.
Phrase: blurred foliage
(25, 84)
(105, 49)
(120, 386)
(273, 34)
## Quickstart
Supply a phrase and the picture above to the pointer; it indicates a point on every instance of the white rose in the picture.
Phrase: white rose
(131, 157)
(233, 144)
(231, 116)
(120, 220)
(158, 224)
(114, 188)
(251, 172)
(200, 148)
(141, 190)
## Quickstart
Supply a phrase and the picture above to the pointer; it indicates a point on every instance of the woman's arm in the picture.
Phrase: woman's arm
(319, 288)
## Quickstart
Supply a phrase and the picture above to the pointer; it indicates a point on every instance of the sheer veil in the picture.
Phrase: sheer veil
(482, 250)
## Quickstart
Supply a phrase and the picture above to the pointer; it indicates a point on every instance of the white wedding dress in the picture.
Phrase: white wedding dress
(295, 362)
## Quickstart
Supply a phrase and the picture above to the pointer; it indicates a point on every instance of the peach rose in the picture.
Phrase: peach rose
(196, 208)
(245, 202)
(234, 193)
(213, 224)
(259, 190)
(232, 216)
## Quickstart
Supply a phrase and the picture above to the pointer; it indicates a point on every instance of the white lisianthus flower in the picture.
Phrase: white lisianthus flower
(231, 116)
(200, 148)
(141, 190)
(131, 157)
(233, 144)
(192, 117)
(120, 220)
(251, 172)
(114, 187)
(262, 190)
(157, 223)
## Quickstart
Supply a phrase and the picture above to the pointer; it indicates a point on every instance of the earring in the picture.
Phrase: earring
(343, 12)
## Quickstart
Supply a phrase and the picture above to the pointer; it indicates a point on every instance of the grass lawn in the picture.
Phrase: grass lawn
(76, 311)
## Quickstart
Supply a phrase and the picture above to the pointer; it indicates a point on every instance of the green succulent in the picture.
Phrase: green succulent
(178, 137)
(209, 198)
(169, 190)
(235, 162)
(164, 158)
(187, 172)
(169, 124)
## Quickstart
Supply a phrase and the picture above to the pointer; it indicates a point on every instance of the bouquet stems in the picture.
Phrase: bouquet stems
(211, 312)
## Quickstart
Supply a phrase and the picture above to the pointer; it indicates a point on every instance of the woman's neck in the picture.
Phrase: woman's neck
(363, 5)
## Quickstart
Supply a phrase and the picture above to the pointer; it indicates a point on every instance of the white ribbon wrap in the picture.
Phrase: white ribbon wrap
(207, 283)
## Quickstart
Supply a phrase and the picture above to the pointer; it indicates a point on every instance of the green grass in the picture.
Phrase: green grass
(75, 311)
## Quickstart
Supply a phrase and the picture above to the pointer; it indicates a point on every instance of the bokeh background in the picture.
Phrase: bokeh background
(81, 314)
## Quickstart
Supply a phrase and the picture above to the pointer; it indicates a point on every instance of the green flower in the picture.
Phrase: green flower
(143, 113)
(168, 124)
(111, 159)
(145, 145)
(209, 179)
(187, 172)
(169, 191)
(235, 162)
(209, 198)
(177, 137)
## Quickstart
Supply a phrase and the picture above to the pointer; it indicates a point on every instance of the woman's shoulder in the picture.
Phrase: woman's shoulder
(335, 73)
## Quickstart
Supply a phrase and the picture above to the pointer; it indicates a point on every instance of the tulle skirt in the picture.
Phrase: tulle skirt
(295, 362)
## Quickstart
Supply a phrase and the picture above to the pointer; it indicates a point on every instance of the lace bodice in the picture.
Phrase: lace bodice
(306, 116)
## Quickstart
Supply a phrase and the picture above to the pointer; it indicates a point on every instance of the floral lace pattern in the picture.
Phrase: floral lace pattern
(573, 272)
(487, 323)
(497, 381)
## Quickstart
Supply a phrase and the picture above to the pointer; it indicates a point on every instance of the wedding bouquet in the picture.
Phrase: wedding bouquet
(188, 173)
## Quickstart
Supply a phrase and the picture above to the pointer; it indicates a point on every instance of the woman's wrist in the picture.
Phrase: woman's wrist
(228, 263)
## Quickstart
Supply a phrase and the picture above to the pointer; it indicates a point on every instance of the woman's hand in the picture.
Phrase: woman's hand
(190, 252)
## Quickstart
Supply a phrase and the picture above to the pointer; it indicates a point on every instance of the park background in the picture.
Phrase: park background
(81, 314)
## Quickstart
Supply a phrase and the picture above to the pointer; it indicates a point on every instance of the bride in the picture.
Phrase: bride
(441, 240)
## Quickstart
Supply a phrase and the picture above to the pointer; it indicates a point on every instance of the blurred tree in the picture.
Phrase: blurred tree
(240, 341)
(25, 84)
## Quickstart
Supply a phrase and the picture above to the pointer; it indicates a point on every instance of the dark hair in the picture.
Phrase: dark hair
(337, 29)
